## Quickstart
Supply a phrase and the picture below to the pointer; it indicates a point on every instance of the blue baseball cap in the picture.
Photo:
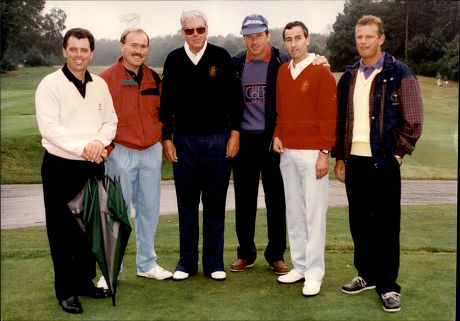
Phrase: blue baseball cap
(253, 23)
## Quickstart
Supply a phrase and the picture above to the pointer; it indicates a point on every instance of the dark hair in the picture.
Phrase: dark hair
(293, 24)
(78, 33)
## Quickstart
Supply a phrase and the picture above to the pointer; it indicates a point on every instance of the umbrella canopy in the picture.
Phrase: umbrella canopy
(102, 214)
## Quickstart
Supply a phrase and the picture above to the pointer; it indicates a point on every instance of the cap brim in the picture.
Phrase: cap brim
(253, 30)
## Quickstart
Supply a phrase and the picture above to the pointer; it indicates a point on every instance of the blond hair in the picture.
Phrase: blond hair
(130, 30)
(371, 20)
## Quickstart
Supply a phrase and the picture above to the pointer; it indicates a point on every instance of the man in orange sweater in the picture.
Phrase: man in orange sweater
(306, 104)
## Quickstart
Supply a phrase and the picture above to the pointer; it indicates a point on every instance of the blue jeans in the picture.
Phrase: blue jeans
(202, 171)
(140, 176)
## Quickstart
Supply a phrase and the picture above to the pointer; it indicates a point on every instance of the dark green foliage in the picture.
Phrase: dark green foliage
(422, 33)
(27, 36)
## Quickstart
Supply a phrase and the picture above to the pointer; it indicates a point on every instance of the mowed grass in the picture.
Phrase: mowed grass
(21, 151)
(435, 156)
(427, 276)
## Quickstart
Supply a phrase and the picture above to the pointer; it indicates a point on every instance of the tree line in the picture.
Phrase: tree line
(425, 34)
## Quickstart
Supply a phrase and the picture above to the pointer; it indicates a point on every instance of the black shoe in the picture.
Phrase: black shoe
(71, 305)
(358, 284)
(95, 292)
(391, 301)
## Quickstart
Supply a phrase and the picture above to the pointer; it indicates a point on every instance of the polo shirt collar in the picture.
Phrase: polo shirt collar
(369, 70)
(81, 86)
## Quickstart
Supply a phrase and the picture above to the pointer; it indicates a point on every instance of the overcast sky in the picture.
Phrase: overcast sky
(107, 19)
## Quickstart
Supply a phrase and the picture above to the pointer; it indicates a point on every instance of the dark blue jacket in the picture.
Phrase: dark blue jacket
(276, 60)
(395, 113)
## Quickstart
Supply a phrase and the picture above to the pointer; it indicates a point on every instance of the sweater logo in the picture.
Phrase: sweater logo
(304, 86)
(212, 71)
(396, 98)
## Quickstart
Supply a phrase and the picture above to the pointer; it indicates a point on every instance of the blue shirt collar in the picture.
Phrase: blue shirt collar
(369, 70)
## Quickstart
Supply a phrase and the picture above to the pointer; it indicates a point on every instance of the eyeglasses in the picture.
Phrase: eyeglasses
(191, 31)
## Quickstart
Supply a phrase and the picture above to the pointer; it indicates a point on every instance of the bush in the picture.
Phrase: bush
(35, 58)
(7, 65)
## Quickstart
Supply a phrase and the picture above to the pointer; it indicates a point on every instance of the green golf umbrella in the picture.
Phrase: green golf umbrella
(102, 213)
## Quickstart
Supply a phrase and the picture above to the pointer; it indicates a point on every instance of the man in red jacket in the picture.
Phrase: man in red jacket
(306, 104)
(137, 153)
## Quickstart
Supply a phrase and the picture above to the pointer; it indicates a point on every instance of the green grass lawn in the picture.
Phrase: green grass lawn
(427, 276)
(435, 156)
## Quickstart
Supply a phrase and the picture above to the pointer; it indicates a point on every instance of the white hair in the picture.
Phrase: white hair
(191, 15)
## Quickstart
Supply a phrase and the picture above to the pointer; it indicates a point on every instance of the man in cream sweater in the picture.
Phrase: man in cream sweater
(77, 121)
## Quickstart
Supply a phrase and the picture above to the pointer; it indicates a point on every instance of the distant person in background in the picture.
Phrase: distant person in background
(380, 120)
(445, 81)
(201, 107)
(136, 153)
(439, 79)
(77, 121)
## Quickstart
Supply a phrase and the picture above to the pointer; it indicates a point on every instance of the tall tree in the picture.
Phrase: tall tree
(25, 32)
(416, 31)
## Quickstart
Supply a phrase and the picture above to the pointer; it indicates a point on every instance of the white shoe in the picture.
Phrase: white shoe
(292, 277)
(102, 283)
(157, 273)
(218, 275)
(311, 288)
(179, 275)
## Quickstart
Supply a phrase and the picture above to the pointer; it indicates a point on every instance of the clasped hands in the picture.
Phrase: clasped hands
(95, 152)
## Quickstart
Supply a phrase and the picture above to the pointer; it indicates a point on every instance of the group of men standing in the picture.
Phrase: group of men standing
(271, 116)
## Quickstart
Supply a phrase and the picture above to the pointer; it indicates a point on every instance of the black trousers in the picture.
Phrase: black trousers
(74, 264)
(254, 160)
(374, 197)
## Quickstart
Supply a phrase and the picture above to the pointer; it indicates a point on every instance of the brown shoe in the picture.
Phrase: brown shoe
(279, 267)
(240, 265)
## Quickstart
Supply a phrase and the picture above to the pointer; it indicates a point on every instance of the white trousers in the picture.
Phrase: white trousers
(306, 208)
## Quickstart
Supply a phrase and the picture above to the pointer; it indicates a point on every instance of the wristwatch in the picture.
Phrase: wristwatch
(324, 151)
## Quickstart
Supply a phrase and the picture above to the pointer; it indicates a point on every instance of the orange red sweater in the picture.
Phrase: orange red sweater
(307, 108)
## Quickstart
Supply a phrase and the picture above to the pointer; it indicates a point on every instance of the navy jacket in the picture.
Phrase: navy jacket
(395, 113)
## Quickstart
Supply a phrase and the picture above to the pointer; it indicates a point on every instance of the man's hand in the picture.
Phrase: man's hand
(233, 144)
(321, 60)
(170, 151)
(93, 151)
(339, 170)
(322, 165)
(278, 145)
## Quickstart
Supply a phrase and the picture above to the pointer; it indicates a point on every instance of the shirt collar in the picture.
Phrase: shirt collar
(74, 79)
(266, 58)
(195, 58)
(369, 70)
(81, 86)
(303, 64)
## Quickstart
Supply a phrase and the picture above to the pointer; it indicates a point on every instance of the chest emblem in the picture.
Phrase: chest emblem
(304, 86)
(212, 71)
(396, 98)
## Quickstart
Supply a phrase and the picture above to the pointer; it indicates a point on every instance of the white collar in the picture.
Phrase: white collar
(195, 58)
(300, 66)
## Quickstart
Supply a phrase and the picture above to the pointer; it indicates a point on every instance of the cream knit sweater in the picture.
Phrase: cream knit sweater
(67, 121)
